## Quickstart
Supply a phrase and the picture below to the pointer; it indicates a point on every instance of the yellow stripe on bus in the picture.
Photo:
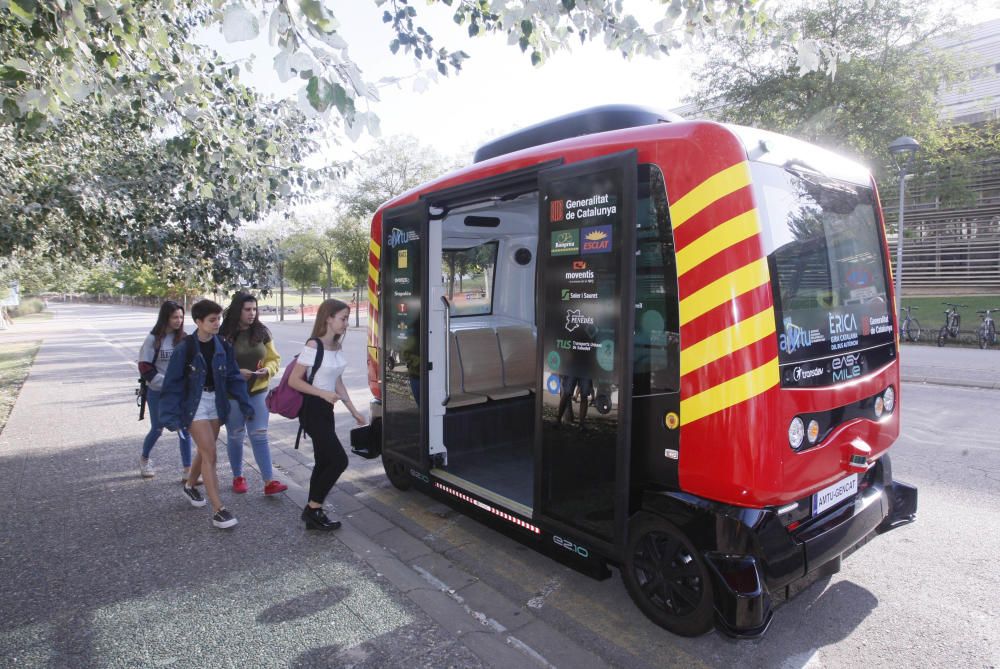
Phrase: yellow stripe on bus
(373, 299)
(374, 247)
(748, 331)
(724, 289)
(715, 187)
(730, 393)
(722, 236)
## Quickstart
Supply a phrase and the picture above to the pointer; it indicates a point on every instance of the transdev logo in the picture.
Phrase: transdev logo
(565, 242)
(596, 239)
(557, 210)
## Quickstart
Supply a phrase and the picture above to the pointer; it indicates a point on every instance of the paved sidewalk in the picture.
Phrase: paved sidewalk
(103, 569)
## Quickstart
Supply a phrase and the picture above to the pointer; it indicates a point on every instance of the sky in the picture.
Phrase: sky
(498, 90)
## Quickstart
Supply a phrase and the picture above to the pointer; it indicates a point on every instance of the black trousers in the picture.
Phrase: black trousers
(316, 418)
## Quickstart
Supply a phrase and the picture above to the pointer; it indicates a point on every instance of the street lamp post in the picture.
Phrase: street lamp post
(902, 150)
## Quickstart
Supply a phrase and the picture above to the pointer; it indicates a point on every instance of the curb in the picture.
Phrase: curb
(943, 381)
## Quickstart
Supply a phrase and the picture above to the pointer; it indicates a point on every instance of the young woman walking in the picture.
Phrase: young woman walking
(154, 356)
(258, 362)
(319, 398)
(201, 376)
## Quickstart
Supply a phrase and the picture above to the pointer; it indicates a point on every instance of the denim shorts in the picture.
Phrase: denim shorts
(206, 407)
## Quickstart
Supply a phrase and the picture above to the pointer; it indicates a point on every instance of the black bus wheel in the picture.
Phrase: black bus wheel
(667, 578)
(396, 473)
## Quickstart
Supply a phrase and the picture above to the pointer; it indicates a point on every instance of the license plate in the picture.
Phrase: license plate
(834, 494)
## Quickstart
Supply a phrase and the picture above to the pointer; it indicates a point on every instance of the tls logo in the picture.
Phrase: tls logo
(556, 211)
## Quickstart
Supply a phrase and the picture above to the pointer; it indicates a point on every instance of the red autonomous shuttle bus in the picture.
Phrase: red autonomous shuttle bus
(719, 297)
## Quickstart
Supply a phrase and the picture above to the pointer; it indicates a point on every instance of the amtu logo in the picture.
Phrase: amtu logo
(556, 210)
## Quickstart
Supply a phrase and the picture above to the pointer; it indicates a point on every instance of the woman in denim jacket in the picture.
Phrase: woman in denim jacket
(195, 396)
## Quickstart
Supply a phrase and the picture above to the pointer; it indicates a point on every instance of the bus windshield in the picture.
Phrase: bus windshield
(827, 267)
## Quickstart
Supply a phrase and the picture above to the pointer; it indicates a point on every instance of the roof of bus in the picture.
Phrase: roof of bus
(759, 145)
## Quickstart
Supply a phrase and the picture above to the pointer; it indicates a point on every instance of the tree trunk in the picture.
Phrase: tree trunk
(302, 305)
(281, 290)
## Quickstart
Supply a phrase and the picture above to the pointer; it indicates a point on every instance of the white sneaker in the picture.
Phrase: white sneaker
(146, 468)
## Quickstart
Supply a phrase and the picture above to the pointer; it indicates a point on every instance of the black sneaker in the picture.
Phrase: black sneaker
(223, 519)
(193, 496)
(317, 520)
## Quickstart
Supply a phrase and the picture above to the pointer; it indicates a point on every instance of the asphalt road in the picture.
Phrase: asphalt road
(923, 595)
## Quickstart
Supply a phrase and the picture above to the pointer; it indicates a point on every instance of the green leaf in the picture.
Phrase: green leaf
(536, 58)
(34, 121)
(24, 10)
(526, 28)
(12, 75)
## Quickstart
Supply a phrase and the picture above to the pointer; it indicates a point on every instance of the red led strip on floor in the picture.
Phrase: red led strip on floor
(486, 507)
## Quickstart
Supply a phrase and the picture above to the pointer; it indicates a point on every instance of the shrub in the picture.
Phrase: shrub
(31, 305)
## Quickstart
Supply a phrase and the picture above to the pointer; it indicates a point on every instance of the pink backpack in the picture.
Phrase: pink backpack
(285, 400)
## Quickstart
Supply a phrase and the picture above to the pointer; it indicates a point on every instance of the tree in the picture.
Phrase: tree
(351, 242)
(392, 167)
(301, 267)
(885, 82)
(95, 48)
(167, 164)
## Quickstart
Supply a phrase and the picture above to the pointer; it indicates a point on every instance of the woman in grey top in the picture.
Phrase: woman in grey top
(153, 359)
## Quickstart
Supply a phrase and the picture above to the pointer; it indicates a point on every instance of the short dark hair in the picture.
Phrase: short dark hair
(203, 308)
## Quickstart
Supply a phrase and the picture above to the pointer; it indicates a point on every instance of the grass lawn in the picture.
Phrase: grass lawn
(930, 312)
(31, 318)
(15, 361)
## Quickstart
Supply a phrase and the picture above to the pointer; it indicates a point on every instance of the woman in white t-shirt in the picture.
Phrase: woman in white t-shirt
(318, 400)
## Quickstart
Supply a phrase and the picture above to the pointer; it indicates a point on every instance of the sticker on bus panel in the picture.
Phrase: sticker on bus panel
(596, 239)
(565, 242)
(832, 495)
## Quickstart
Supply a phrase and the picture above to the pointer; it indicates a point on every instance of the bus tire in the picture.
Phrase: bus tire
(667, 578)
(396, 472)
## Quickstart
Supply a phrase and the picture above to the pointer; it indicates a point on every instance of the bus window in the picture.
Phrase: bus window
(469, 275)
(655, 348)
(828, 270)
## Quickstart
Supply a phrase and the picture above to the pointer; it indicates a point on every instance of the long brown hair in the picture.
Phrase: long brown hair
(159, 330)
(230, 327)
(326, 310)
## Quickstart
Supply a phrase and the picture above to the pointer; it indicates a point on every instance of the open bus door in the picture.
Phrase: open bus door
(405, 307)
(586, 284)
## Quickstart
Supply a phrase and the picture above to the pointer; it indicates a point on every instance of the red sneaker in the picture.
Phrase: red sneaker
(274, 487)
(239, 485)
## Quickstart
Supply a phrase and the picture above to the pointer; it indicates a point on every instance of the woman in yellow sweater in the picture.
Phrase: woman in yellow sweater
(258, 361)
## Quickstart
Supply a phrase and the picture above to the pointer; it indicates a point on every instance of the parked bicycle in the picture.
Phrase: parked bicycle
(910, 327)
(987, 329)
(952, 320)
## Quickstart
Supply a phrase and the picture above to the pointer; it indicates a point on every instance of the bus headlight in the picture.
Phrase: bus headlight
(879, 406)
(889, 399)
(796, 433)
(812, 431)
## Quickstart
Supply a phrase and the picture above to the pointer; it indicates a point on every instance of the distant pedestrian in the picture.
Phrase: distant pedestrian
(319, 399)
(201, 376)
(154, 356)
(258, 361)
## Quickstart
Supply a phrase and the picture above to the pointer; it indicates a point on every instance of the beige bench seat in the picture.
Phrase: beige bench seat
(482, 366)
(457, 397)
(517, 353)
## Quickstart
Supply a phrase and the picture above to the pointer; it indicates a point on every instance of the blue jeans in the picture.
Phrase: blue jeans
(236, 429)
(156, 429)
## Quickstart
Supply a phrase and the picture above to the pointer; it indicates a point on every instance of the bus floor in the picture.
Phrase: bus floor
(506, 469)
